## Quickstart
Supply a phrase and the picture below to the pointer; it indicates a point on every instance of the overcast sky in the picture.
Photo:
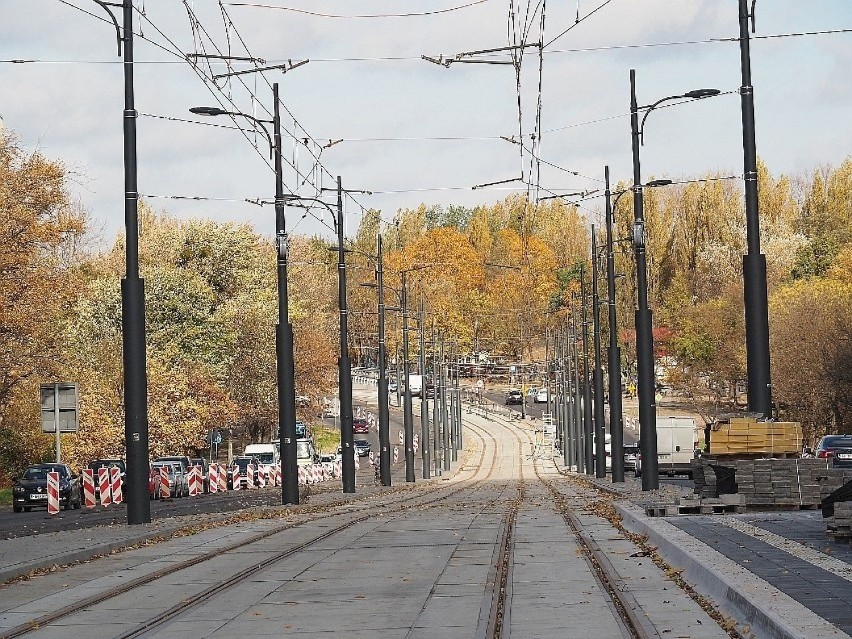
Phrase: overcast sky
(366, 80)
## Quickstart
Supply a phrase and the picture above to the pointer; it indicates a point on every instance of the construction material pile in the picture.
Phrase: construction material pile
(747, 436)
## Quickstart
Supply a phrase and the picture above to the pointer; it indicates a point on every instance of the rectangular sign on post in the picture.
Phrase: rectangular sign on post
(59, 404)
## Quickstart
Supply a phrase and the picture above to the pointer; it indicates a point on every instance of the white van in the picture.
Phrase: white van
(415, 383)
(267, 454)
(675, 445)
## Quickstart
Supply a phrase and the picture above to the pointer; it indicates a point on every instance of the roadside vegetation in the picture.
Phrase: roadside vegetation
(492, 279)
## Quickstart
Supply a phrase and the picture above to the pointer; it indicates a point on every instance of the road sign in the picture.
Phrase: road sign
(59, 404)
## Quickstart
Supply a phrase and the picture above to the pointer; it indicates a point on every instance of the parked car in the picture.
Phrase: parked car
(836, 450)
(183, 460)
(178, 483)
(97, 464)
(360, 426)
(392, 386)
(362, 447)
(242, 463)
(514, 396)
(30, 489)
(630, 452)
(541, 396)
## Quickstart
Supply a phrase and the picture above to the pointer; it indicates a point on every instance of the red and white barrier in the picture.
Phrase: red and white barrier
(395, 454)
(89, 488)
(250, 471)
(213, 477)
(103, 486)
(303, 478)
(53, 493)
(236, 479)
(165, 488)
(277, 474)
(115, 485)
(195, 483)
(223, 478)
(261, 476)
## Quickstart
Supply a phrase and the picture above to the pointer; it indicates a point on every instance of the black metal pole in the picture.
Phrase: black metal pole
(424, 399)
(616, 425)
(384, 412)
(579, 448)
(588, 425)
(285, 363)
(568, 403)
(754, 262)
(436, 410)
(347, 438)
(644, 316)
(600, 428)
(133, 307)
(407, 415)
(445, 435)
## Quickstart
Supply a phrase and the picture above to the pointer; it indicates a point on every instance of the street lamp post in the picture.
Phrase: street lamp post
(424, 399)
(408, 418)
(600, 435)
(616, 424)
(643, 315)
(754, 262)
(384, 413)
(284, 359)
(588, 426)
(132, 294)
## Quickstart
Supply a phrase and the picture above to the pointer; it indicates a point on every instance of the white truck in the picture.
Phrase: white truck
(267, 454)
(675, 445)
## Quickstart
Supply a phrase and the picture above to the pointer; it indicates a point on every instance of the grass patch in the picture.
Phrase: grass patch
(6, 496)
(327, 439)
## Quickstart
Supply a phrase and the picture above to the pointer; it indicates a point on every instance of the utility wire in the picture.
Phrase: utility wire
(363, 16)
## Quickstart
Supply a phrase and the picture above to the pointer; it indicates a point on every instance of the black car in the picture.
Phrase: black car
(836, 449)
(30, 489)
(514, 396)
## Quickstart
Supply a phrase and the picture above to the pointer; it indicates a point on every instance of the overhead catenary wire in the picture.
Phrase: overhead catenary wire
(258, 5)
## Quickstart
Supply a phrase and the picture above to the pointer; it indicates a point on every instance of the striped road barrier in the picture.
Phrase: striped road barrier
(53, 493)
(89, 488)
(103, 486)
(165, 489)
(223, 478)
(115, 485)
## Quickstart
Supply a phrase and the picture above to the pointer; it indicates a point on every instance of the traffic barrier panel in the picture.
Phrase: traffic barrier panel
(236, 479)
(223, 479)
(53, 493)
(261, 476)
(303, 477)
(250, 470)
(103, 486)
(165, 487)
(89, 488)
(213, 477)
(115, 485)
(278, 474)
(395, 454)
(195, 487)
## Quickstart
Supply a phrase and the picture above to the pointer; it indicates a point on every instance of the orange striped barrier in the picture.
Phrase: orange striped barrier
(53, 493)
(103, 486)
(89, 488)
(115, 485)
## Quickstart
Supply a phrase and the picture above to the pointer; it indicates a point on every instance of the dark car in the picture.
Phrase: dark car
(360, 426)
(97, 464)
(514, 396)
(30, 489)
(836, 450)
(242, 463)
(362, 447)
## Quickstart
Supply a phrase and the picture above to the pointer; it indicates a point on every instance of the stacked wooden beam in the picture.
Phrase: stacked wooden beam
(747, 436)
(840, 526)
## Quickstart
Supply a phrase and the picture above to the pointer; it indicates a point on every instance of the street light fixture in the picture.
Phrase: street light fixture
(284, 359)
(644, 316)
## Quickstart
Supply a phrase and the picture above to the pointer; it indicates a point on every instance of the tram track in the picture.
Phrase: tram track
(406, 501)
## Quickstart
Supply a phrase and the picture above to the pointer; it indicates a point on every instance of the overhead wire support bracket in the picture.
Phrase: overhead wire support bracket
(230, 58)
(482, 186)
(287, 66)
